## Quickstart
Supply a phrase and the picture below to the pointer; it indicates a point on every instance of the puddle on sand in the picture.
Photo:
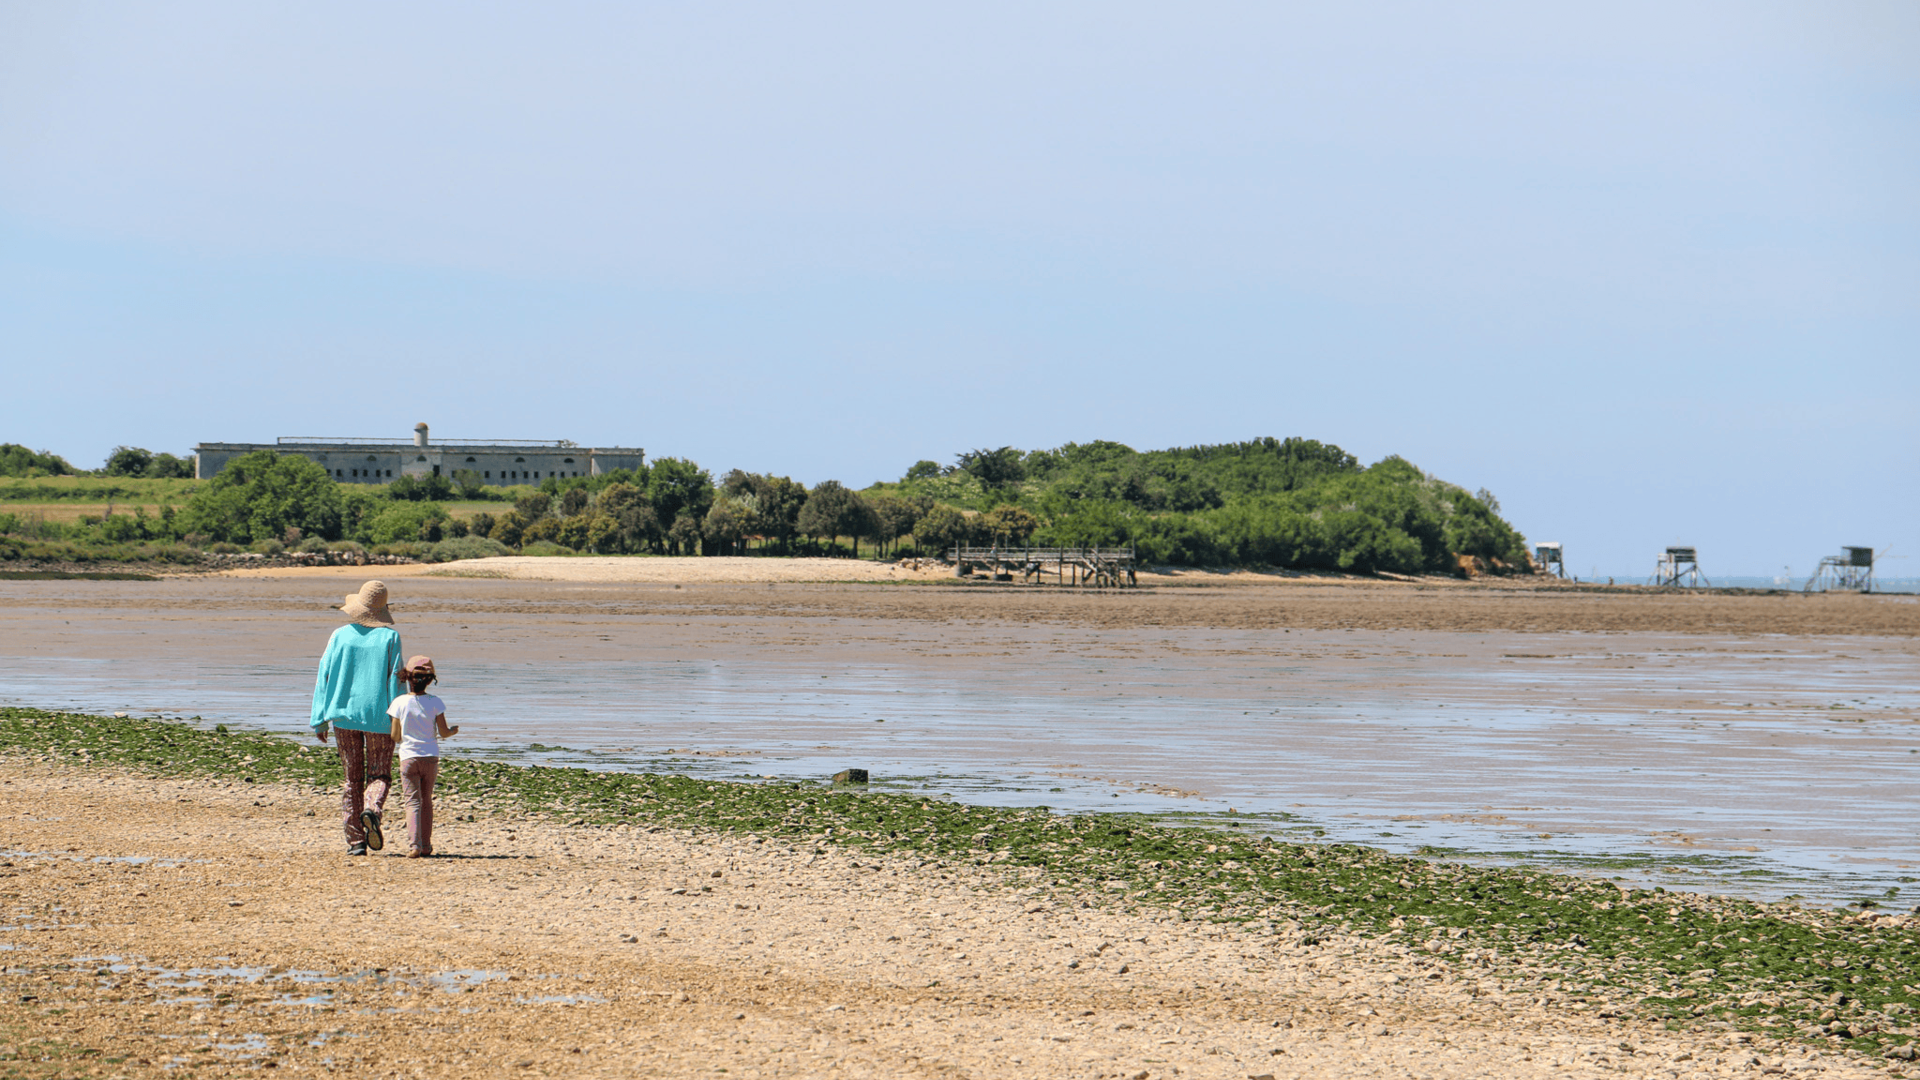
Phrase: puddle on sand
(300, 983)
(463, 979)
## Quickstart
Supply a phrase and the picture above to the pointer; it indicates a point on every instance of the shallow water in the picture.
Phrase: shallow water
(1765, 766)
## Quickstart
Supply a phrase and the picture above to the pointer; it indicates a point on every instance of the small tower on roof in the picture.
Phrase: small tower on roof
(420, 434)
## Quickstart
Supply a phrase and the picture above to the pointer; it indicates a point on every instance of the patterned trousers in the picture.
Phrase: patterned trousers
(366, 764)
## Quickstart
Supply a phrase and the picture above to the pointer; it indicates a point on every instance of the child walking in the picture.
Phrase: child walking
(419, 723)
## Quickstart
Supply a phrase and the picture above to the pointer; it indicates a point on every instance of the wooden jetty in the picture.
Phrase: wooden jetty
(1095, 567)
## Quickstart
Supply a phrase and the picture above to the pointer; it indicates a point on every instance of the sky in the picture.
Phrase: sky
(1650, 273)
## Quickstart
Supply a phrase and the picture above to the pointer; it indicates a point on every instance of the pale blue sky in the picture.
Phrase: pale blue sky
(1648, 272)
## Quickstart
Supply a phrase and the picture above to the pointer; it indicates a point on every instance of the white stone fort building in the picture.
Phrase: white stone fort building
(377, 461)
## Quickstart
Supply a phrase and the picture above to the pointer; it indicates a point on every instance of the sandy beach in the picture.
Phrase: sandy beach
(157, 926)
(160, 923)
(1173, 597)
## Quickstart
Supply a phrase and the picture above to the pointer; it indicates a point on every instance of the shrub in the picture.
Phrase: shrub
(941, 528)
(17, 460)
(509, 527)
(545, 547)
(312, 545)
(420, 489)
(222, 547)
(128, 461)
(259, 495)
(167, 467)
(268, 547)
(466, 547)
(404, 522)
(347, 547)
(406, 549)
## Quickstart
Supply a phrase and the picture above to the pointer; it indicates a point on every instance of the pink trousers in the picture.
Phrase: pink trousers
(417, 775)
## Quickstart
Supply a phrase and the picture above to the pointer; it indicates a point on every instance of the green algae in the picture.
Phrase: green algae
(1776, 969)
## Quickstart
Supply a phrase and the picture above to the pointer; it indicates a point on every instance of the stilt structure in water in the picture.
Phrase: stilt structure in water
(1550, 558)
(1849, 571)
(1679, 567)
(1095, 567)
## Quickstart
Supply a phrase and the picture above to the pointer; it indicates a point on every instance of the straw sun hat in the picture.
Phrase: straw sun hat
(368, 607)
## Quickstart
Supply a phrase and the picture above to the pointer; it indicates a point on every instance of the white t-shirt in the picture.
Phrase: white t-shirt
(415, 713)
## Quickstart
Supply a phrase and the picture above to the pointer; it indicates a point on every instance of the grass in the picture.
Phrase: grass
(1775, 969)
(97, 489)
(66, 513)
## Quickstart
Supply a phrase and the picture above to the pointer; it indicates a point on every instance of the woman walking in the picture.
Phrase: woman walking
(359, 676)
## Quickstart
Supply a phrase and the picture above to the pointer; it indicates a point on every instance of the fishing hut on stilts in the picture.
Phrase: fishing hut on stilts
(1679, 568)
(1849, 571)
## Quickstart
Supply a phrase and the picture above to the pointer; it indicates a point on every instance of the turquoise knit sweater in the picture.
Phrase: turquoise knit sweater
(359, 677)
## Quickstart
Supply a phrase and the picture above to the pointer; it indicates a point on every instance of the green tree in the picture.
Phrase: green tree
(942, 527)
(636, 526)
(472, 485)
(776, 500)
(509, 528)
(17, 460)
(258, 495)
(1010, 524)
(547, 528)
(128, 461)
(833, 510)
(603, 533)
(533, 505)
(1090, 523)
(420, 488)
(923, 470)
(895, 516)
(728, 523)
(676, 486)
(167, 467)
(995, 468)
(683, 537)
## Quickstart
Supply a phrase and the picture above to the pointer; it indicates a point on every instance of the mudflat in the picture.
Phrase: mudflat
(1484, 715)
(214, 928)
(1192, 598)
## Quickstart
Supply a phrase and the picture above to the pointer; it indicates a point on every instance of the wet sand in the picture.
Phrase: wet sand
(157, 925)
(1460, 716)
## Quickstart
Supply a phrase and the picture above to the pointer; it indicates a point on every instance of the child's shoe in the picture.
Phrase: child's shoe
(356, 849)
(371, 820)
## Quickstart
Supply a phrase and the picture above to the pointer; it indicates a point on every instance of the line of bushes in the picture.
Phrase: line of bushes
(1288, 503)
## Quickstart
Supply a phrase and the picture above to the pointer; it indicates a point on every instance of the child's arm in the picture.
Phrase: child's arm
(440, 724)
(396, 729)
